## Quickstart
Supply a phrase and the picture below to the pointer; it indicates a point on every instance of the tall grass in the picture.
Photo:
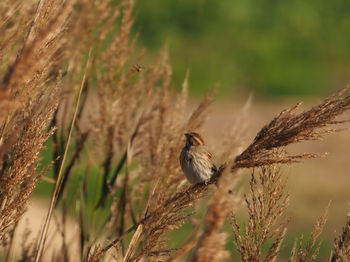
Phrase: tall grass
(121, 142)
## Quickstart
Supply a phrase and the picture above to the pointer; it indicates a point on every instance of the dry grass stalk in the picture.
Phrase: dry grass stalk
(95, 255)
(289, 127)
(341, 251)
(59, 178)
(266, 204)
(18, 168)
(31, 101)
(211, 244)
(311, 250)
(40, 55)
(14, 21)
(133, 242)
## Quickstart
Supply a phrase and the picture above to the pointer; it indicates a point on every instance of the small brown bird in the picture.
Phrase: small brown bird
(196, 162)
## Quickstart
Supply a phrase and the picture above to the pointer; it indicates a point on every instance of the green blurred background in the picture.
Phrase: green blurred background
(274, 48)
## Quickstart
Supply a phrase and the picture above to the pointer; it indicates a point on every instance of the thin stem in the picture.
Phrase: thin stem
(9, 255)
(59, 178)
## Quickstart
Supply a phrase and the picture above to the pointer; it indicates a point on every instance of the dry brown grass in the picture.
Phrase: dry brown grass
(31, 95)
(266, 203)
(310, 252)
(122, 139)
(341, 250)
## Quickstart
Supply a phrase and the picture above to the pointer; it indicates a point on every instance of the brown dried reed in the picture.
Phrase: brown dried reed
(30, 97)
(341, 251)
(211, 243)
(311, 250)
(266, 204)
(126, 136)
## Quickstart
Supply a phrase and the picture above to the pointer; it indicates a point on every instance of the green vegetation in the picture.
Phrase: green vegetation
(272, 47)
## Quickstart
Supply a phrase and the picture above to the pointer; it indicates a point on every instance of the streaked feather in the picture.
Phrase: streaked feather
(196, 161)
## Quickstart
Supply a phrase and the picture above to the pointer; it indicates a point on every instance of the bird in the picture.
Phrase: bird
(196, 161)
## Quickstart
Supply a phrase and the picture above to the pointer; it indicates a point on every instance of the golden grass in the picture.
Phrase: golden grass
(123, 138)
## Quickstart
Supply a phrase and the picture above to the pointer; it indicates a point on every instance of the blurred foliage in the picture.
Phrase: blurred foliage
(272, 47)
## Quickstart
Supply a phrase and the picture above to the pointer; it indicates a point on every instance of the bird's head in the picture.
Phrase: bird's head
(194, 139)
